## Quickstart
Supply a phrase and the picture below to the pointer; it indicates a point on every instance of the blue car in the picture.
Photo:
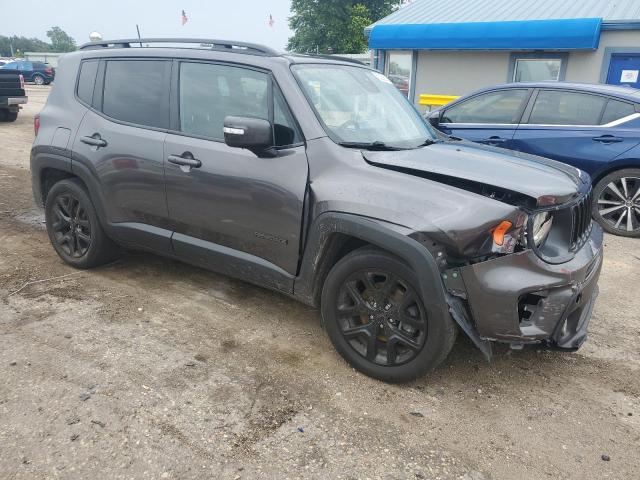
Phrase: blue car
(37, 72)
(593, 127)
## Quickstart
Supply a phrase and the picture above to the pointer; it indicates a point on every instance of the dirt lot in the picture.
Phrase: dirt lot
(148, 368)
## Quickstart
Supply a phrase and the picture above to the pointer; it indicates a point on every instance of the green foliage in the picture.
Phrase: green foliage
(60, 41)
(334, 26)
(21, 45)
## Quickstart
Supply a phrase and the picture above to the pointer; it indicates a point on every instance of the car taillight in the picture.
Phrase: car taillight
(36, 125)
(21, 82)
(48, 70)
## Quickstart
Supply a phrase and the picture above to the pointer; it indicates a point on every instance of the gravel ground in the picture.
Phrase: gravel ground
(148, 368)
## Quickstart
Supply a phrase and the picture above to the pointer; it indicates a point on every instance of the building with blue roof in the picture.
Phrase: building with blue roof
(451, 48)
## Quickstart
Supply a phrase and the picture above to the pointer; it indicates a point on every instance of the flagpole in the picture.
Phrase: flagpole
(139, 37)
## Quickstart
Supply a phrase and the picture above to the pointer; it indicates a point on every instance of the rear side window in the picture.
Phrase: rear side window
(86, 80)
(136, 91)
(501, 107)
(555, 107)
(615, 110)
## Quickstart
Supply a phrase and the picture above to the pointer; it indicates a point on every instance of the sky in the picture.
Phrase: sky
(242, 20)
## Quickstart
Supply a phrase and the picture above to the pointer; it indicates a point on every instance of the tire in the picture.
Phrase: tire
(616, 203)
(361, 296)
(8, 116)
(74, 228)
(38, 79)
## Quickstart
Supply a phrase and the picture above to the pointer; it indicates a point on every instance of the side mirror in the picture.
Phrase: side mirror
(434, 118)
(253, 134)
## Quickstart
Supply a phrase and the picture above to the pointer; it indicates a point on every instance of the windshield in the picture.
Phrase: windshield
(361, 106)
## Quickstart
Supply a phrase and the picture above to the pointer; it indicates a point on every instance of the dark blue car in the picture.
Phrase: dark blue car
(37, 72)
(593, 127)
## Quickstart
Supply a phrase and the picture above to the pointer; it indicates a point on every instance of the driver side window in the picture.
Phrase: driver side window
(501, 107)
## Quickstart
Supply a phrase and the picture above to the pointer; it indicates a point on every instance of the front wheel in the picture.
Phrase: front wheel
(616, 202)
(376, 319)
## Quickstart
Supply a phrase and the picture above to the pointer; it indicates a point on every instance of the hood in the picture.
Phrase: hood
(509, 176)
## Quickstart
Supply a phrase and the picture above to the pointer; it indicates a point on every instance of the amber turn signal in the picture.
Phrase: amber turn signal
(500, 231)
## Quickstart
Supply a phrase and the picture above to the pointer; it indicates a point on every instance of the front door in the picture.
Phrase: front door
(624, 69)
(228, 197)
(490, 118)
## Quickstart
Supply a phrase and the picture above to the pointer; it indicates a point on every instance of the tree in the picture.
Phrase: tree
(60, 40)
(334, 26)
(15, 46)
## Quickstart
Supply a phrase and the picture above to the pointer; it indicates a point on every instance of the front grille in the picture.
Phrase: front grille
(581, 227)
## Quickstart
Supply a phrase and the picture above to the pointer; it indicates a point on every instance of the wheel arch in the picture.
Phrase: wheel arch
(619, 164)
(333, 235)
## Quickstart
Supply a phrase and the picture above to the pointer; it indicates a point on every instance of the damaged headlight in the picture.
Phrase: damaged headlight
(541, 226)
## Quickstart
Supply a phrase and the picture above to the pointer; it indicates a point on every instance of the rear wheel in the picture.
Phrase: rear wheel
(616, 202)
(73, 226)
(38, 79)
(8, 115)
(376, 319)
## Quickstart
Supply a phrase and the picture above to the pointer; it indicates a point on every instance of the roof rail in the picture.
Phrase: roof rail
(337, 58)
(224, 45)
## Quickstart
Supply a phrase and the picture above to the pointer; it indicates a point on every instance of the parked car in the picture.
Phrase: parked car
(12, 95)
(37, 72)
(592, 127)
(315, 177)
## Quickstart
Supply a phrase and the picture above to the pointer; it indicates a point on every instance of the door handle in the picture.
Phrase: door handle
(492, 140)
(607, 139)
(94, 140)
(185, 160)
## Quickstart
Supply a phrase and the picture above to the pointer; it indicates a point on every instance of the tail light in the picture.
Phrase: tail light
(21, 82)
(48, 70)
(36, 124)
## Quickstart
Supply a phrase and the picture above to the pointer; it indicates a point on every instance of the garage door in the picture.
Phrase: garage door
(624, 69)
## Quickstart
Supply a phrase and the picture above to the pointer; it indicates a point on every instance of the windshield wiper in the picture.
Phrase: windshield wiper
(381, 146)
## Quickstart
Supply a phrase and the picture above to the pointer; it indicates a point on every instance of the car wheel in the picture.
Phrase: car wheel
(8, 116)
(73, 226)
(376, 319)
(616, 203)
(38, 80)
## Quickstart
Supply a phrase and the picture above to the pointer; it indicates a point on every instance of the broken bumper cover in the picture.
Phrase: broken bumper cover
(520, 299)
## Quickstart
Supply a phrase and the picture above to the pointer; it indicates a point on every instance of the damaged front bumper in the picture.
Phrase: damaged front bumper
(521, 299)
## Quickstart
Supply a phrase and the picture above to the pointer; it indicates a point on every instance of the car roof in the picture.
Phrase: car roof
(624, 92)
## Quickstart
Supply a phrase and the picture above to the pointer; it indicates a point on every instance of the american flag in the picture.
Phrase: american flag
(184, 17)
(271, 21)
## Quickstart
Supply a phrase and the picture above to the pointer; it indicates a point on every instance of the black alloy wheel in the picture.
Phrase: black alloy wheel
(617, 203)
(74, 228)
(71, 225)
(381, 317)
(376, 318)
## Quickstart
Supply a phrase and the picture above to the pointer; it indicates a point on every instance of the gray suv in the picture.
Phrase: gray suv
(315, 177)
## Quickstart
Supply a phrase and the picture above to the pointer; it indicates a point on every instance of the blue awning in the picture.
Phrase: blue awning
(569, 34)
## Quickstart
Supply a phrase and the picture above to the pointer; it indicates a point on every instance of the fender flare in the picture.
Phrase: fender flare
(377, 234)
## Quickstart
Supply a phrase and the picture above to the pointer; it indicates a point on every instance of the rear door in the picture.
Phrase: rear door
(233, 198)
(579, 128)
(121, 142)
(490, 118)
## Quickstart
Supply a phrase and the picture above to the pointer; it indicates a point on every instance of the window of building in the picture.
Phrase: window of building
(86, 80)
(555, 107)
(499, 107)
(136, 91)
(398, 69)
(615, 110)
(537, 69)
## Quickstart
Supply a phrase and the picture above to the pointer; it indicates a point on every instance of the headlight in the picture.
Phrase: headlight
(541, 227)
